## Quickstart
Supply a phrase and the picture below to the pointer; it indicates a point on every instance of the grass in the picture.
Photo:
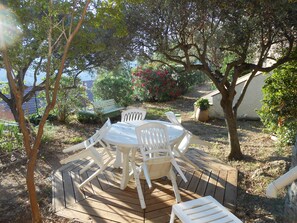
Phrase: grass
(157, 112)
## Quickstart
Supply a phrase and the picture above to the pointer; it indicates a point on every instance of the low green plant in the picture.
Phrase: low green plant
(87, 117)
(202, 103)
(10, 137)
(49, 132)
(1, 129)
(35, 118)
(75, 140)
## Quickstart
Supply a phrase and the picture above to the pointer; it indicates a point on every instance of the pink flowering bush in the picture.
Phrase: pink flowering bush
(152, 83)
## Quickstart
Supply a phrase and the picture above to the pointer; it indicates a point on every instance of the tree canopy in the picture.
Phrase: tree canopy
(96, 45)
(223, 39)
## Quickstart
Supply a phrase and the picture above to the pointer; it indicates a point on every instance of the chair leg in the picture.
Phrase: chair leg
(188, 161)
(86, 167)
(96, 173)
(90, 178)
(146, 175)
(172, 216)
(80, 155)
(174, 185)
(138, 186)
(176, 166)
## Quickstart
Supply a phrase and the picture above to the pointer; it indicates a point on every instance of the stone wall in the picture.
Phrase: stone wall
(290, 211)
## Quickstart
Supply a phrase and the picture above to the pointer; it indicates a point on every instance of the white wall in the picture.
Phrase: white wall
(250, 103)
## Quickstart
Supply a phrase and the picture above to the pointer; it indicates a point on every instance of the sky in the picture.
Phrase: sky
(85, 76)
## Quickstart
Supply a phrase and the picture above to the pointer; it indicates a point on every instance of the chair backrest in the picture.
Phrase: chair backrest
(183, 145)
(133, 114)
(172, 118)
(155, 149)
(97, 137)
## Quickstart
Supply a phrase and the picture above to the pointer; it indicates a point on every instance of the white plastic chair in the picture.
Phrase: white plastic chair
(157, 158)
(96, 154)
(133, 114)
(202, 210)
(182, 147)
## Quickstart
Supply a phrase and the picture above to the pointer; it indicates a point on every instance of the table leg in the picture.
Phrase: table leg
(118, 160)
(125, 173)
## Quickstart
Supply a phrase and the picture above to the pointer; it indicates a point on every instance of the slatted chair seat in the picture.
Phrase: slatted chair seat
(202, 210)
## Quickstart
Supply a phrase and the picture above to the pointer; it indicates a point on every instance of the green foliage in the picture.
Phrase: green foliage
(36, 118)
(87, 117)
(202, 103)
(49, 133)
(114, 85)
(153, 83)
(75, 140)
(185, 80)
(157, 113)
(279, 110)
(71, 97)
(10, 138)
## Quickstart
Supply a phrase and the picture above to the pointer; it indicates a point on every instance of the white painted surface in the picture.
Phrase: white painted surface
(250, 104)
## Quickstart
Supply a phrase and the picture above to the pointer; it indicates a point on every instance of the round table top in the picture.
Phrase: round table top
(123, 133)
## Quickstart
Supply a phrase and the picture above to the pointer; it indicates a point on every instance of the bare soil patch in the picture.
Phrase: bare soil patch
(264, 161)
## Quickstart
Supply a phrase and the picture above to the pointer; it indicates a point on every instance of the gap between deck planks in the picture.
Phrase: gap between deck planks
(103, 201)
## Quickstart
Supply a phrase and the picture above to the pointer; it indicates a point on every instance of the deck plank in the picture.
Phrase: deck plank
(58, 191)
(220, 189)
(101, 200)
(231, 190)
(212, 184)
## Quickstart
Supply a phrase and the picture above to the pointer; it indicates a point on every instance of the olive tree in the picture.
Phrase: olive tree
(223, 39)
(53, 18)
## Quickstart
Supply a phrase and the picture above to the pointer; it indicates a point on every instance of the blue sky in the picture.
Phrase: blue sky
(85, 76)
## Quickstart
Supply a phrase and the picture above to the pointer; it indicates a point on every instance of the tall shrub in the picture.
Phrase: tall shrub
(153, 83)
(279, 110)
(113, 85)
(70, 98)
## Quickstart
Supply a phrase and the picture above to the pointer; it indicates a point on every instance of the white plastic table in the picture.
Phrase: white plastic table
(123, 135)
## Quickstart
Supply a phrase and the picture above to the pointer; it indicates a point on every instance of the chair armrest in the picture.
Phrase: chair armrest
(74, 148)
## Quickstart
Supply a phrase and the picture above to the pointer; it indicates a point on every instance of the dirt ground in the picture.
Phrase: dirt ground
(264, 161)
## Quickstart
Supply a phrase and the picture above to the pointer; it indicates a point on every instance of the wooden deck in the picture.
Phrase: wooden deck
(103, 201)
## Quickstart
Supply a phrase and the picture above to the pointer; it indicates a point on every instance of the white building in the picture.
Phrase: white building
(251, 101)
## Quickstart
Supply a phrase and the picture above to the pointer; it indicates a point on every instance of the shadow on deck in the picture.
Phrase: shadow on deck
(103, 201)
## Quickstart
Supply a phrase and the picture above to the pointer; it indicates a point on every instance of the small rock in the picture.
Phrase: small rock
(12, 158)
(257, 173)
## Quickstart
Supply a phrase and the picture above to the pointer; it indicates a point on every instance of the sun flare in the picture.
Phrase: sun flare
(10, 29)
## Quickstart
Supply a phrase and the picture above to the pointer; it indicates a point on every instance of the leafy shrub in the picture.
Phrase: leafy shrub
(202, 103)
(87, 117)
(152, 83)
(70, 98)
(279, 109)
(10, 137)
(115, 86)
(185, 80)
(36, 118)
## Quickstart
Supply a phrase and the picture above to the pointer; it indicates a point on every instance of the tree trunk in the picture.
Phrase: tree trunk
(290, 212)
(36, 216)
(231, 122)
